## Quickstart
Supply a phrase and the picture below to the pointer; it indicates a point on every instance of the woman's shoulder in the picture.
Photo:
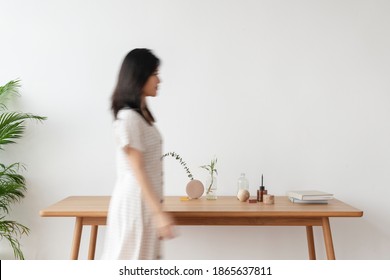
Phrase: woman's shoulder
(128, 114)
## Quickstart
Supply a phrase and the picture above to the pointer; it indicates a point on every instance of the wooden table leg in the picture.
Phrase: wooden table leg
(328, 238)
(92, 242)
(310, 242)
(78, 228)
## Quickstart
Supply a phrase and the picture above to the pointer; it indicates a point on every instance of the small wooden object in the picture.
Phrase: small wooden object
(268, 199)
(243, 195)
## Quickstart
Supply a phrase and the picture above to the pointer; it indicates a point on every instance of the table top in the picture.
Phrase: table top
(224, 206)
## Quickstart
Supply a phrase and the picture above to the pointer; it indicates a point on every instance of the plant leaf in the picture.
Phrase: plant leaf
(6, 91)
(11, 126)
(11, 231)
(12, 185)
(181, 161)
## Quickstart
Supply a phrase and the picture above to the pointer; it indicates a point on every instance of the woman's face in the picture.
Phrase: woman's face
(151, 86)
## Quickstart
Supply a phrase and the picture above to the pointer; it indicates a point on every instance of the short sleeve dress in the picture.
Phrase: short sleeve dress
(131, 231)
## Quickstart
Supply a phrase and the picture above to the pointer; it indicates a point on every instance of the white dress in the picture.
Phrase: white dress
(131, 231)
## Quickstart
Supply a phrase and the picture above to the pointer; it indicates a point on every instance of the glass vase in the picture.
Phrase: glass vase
(211, 188)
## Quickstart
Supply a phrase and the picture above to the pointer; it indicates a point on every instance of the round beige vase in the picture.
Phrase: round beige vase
(194, 189)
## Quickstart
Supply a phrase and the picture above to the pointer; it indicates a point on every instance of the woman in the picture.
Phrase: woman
(136, 222)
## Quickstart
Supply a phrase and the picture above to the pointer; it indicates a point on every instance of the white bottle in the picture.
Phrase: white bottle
(243, 183)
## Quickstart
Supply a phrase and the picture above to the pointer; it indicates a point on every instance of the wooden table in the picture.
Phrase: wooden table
(225, 211)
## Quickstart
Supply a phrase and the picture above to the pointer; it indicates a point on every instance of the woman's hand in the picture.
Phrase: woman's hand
(165, 226)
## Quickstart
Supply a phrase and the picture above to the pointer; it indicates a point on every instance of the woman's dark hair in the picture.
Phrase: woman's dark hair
(137, 67)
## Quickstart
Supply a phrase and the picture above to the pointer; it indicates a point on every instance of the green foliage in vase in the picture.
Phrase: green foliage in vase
(182, 162)
(12, 184)
(211, 168)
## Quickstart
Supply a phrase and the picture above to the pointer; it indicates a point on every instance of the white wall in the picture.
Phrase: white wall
(296, 90)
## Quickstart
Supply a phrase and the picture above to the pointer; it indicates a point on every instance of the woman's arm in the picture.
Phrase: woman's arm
(163, 220)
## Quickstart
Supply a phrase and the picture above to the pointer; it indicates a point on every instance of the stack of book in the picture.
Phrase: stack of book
(309, 196)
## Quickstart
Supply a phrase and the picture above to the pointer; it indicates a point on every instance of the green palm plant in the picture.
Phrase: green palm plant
(12, 184)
